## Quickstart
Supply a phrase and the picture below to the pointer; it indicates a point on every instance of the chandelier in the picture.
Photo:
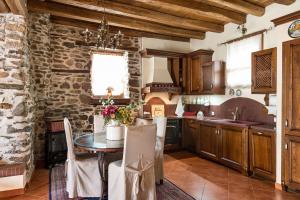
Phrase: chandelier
(103, 38)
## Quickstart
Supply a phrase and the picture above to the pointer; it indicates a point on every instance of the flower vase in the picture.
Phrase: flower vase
(114, 131)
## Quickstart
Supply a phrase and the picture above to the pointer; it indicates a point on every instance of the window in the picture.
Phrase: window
(110, 71)
(238, 70)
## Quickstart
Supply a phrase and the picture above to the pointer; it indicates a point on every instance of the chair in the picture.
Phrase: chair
(133, 178)
(161, 123)
(140, 121)
(98, 123)
(83, 177)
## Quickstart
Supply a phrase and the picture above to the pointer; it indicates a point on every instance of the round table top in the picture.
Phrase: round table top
(98, 142)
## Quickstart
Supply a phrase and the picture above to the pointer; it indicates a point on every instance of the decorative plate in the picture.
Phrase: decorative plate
(238, 92)
(231, 92)
(294, 29)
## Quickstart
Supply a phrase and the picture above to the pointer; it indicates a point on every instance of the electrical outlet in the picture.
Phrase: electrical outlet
(212, 113)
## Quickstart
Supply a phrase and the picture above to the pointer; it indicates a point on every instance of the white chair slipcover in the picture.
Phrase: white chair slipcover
(83, 177)
(161, 123)
(140, 121)
(133, 177)
(98, 123)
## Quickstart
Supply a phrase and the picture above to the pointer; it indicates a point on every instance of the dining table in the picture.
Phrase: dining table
(97, 142)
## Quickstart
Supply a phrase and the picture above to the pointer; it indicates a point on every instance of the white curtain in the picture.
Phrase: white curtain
(238, 69)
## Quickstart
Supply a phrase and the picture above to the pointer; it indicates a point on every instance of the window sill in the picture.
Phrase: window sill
(95, 100)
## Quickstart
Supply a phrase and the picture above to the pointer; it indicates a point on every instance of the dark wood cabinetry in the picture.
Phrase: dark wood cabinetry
(234, 147)
(196, 60)
(213, 78)
(264, 71)
(291, 114)
(208, 141)
(189, 138)
(262, 153)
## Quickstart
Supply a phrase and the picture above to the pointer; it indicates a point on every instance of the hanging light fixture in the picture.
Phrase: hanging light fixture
(103, 37)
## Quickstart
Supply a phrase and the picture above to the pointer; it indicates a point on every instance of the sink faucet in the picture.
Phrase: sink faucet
(235, 114)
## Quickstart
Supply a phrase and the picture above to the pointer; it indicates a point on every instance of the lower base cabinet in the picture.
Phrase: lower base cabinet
(225, 144)
(234, 148)
(189, 138)
(208, 141)
(262, 153)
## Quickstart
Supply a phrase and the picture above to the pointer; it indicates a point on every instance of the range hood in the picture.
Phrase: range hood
(157, 78)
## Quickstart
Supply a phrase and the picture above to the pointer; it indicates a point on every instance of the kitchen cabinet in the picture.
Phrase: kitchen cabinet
(262, 153)
(264, 71)
(208, 142)
(291, 115)
(177, 67)
(213, 78)
(234, 147)
(189, 138)
(195, 61)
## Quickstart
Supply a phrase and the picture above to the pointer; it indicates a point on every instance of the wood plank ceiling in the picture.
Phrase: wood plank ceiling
(167, 19)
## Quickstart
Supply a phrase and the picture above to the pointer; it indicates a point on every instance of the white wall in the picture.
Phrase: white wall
(272, 38)
(167, 45)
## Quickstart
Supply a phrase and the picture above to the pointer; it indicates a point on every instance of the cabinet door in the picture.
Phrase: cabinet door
(234, 148)
(207, 78)
(291, 113)
(262, 154)
(264, 71)
(189, 136)
(195, 74)
(207, 145)
(292, 162)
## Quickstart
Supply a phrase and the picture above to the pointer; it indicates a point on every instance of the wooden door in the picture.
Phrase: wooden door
(207, 145)
(234, 148)
(262, 152)
(264, 71)
(190, 134)
(291, 114)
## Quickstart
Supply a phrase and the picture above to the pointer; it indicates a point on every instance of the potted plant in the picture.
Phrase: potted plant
(117, 117)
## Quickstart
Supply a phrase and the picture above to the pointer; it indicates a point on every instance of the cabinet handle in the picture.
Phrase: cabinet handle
(259, 133)
(171, 126)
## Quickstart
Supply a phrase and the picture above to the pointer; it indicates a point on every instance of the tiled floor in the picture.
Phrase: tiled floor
(205, 180)
(202, 179)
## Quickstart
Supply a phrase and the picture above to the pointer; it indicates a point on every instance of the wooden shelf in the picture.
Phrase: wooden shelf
(148, 53)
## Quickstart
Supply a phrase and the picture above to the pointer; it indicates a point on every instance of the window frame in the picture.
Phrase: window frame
(119, 99)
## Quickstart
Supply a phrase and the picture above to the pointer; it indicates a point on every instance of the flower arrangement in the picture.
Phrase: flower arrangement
(118, 114)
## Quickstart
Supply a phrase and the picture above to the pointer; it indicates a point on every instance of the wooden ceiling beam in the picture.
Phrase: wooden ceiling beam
(17, 6)
(127, 32)
(145, 14)
(237, 5)
(3, 7)
(67, 11)
(284, 2)
(190, 9)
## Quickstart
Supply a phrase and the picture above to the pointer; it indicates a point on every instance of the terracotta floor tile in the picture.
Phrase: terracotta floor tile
(200, 178)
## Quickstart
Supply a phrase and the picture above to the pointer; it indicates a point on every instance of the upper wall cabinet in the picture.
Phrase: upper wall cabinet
(213, 78)
(264, 71)
(196, 60)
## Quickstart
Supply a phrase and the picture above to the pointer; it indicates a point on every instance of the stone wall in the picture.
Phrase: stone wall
(62, 77)
(17, 103)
